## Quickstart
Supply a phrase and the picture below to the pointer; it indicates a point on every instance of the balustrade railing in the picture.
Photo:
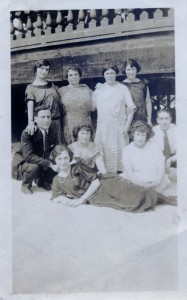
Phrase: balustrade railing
(40, 27)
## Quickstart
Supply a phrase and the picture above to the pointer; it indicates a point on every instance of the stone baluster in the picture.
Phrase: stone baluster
(48, 23)
(38, 25)
(17, 22)
(131, 16)
(171, 13)
(69, 17)
(29, 24)
(158, 14)
(59, 20)
(144, 16)
(20, 28)
(117, 18)
(80, 25)
(105, 20)
(93, 16)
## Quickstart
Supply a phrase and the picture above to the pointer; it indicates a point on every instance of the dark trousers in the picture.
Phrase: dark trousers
(32, 172)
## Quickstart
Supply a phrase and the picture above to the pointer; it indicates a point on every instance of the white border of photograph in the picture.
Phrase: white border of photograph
(180, 7)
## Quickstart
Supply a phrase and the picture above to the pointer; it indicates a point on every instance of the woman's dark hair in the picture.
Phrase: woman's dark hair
(84, 127)
(74, 68)
(110, 66)
(57, 150)
(131, 63)
(141, 126)
(40, 63)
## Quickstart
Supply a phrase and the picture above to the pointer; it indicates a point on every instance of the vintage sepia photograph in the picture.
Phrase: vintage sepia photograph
(93, 162)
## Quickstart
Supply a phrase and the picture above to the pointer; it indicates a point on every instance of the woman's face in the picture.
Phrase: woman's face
(63, 160)
(131, 72)
(73, 77)
(84, 136)
(42, 72)
(139, 138)
(110, 76)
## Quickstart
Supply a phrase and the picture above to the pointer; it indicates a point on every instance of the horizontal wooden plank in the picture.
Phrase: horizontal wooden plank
(154, 52)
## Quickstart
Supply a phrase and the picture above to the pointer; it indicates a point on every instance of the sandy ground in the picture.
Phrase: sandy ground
(58, 249)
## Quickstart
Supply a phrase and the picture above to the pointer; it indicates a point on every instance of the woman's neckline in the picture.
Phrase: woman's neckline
(74, 86)
(111, 85)
(136, 80)
(83, 146)
(41, 85)
(144, 146)
(64, 174)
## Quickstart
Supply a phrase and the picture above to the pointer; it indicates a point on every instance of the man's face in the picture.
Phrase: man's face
(164, 120)
(43, 119)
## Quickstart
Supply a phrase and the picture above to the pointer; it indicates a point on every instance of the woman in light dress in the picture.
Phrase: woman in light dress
(111, 100)
(143, 161)
(77, 103)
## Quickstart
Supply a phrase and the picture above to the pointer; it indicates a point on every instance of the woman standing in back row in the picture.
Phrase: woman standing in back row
(139, 91)
(77, 103)
(43, 92)
(111, 100)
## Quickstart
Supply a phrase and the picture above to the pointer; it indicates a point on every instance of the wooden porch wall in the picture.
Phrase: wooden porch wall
(154, 52)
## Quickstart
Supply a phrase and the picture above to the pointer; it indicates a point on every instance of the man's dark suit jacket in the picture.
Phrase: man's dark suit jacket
(31, 151)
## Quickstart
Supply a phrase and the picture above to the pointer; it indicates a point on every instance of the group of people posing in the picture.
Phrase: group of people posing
(126, 164)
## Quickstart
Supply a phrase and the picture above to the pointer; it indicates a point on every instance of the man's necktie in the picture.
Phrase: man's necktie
(167, 150)
(46, 145)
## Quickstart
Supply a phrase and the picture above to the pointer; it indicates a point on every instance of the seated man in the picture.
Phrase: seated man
(165, 137)
(31, 161)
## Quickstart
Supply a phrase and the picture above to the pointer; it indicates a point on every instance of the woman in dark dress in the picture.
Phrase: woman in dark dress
(86, 151)
(42, 92)
(78, 181)
(139, 91)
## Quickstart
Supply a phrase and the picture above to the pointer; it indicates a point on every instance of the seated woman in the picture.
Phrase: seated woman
(143, 161)
(86, 151)
(110, 190)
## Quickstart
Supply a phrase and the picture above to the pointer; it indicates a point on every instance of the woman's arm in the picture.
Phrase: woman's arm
(128, 121)
(159, 175)
(127, 164)
(100, 164)
(131, 109)
(94, 105)
(30, 127)
(92, 188)
(148, 107)
(131, 175)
